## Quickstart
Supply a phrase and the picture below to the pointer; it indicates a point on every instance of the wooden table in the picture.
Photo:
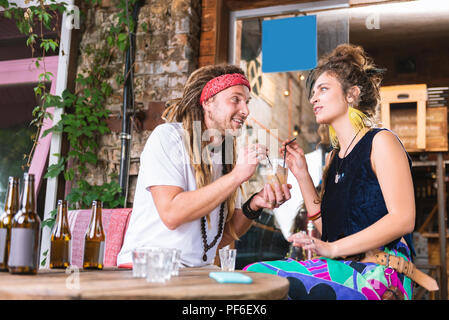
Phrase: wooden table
(113, 283)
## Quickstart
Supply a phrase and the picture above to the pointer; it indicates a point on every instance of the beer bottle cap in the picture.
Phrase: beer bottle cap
(14, 180)
(28, 176)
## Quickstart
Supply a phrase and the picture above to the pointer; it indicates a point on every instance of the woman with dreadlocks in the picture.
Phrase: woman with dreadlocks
(187, 193)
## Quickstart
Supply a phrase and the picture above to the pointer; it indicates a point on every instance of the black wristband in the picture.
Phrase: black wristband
(250, 213)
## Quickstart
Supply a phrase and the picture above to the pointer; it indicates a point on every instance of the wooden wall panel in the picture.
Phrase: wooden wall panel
(208, 32)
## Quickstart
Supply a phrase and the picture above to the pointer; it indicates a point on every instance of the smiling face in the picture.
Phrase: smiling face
(328, 99)
(227, 110)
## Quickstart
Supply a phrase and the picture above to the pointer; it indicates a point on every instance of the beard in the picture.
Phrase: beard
(233, 131)
(227, 127)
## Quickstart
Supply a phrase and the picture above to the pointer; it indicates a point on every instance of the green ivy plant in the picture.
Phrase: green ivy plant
(83, 121)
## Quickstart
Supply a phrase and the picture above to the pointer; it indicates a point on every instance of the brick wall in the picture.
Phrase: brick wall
(167, 48)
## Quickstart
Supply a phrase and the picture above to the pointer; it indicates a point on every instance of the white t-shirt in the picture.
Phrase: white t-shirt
(165, 161)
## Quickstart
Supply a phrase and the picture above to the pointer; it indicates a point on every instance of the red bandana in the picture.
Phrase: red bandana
(221, 83)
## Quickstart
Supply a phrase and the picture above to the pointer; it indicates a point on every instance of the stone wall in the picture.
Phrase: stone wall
(167, 46)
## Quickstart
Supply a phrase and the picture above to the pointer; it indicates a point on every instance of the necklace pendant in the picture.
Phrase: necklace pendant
(204, 257)
(338, 177)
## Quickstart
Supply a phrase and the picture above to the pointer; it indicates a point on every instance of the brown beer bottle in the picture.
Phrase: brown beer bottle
(94, 241)
(25, 232)
(11, 207)
(60, 246)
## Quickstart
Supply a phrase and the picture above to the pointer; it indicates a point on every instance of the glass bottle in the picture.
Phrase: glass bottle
(60, 247)
(25, 232)
(11, 207)
(310, 233)
(94, 241)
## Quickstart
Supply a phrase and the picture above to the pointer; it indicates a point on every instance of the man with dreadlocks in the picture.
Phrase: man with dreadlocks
(187, 193)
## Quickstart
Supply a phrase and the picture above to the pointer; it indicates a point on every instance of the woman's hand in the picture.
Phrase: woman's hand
(295, 158)
(318, 247)
(269, 198)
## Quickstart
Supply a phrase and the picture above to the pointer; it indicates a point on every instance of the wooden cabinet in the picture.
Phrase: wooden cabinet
(404, 111)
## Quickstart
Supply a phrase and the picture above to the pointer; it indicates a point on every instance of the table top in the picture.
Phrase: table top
(114, 283)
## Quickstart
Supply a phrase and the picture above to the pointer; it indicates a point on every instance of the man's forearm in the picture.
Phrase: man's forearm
(192, 205)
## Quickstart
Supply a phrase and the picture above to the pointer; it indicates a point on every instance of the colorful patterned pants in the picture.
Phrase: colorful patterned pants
(324, 278)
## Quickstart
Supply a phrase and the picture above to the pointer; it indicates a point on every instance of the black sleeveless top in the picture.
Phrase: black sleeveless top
(356, 201)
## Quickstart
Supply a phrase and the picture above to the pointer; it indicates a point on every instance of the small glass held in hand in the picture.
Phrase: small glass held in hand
(274, 172)
(227, 258)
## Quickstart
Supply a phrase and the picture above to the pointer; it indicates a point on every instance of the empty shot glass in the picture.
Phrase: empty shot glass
(159, 264)
(176, 262)
(227, 258)
(139, 257)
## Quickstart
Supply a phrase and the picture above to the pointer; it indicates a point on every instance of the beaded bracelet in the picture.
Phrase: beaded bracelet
(315, 216)
(250, 213)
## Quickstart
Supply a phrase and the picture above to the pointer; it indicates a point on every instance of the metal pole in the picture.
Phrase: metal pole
(125, 135)
(128, 107)
(441, 172)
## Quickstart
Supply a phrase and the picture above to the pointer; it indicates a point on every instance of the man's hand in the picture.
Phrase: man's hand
(269, 198)
(247, 161)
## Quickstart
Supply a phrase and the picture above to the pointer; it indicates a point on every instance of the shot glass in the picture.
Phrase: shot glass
(171, 260)
(159, 265)
(176, 262)
(227, 258)
(139, 257)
